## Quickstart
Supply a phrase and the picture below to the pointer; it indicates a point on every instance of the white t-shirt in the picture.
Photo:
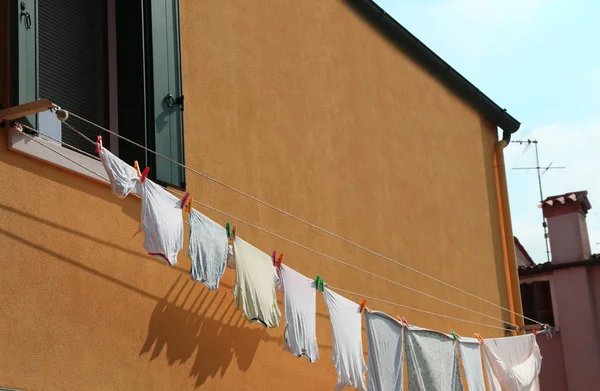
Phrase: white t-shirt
(300, 307)
(123, 178)
(254, 289)
(207, 249)
(162, 221)
(347, 340)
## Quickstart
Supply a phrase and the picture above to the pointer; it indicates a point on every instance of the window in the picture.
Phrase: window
(114, 62)
(537, 302)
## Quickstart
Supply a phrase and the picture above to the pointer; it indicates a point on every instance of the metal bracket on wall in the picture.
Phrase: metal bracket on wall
(171, 101)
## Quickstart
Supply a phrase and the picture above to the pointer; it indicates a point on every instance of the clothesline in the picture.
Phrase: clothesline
(288, 214)
(285, 239)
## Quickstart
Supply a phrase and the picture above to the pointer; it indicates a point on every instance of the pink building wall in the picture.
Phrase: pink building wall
(553, 376)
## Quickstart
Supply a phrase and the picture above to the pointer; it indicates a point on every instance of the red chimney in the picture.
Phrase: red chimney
(567, 226)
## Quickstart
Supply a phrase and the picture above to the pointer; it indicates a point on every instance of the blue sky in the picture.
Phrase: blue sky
(539, 59)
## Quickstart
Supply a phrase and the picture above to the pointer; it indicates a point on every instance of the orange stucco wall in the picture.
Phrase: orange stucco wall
(305, 106)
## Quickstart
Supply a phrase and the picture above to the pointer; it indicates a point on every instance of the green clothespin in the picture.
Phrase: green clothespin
(319, 284)
(228, 228)
(454, 335)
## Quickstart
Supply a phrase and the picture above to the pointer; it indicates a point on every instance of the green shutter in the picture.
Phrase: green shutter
(167, 81)
(26, 84)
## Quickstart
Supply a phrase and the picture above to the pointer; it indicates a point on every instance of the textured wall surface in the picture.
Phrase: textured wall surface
(305, 106)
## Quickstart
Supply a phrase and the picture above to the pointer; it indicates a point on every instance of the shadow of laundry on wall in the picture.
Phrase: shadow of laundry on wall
(210, 328)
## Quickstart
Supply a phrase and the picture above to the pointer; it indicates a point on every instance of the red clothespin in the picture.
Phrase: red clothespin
(136, 165)
(274, 258)
(534, 331)
(363, 305)
(233, 231)
(184, 200)
(98, 144)
(403, 320)
(144, 174)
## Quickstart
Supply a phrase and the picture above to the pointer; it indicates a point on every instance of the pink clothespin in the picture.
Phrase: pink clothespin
(184, 200)
(98, 144)
(144, 174)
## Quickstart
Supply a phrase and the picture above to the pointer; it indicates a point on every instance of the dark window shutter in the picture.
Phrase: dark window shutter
(26, 83)
(72, 63)
(166, 74)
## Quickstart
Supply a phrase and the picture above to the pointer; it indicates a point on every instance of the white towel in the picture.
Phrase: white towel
(512, 363)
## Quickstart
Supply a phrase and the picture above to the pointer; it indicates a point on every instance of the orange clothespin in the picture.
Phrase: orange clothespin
(233, 233)
(190, 204)
(478, 336)
(184, 200)
(136, 165)
(279, 260)
(363, 305)
(98, 144)
(144, 174)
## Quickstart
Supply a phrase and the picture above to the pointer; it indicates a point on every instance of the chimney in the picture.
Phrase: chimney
(567, 227)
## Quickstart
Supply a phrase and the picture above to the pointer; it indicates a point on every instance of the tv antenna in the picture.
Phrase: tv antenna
(540, 172)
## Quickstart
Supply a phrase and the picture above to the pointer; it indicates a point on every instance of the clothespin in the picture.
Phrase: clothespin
(454, 335)
(478, 336)
(98, 144)
(274, 258)
(233, 231)
(319, 284)
(136, 165)
(402, 320)
(144, 174)
(228, 229)
(190, 204)
(363, 305)
(277, 260)
(184, 200)
(534, 331)
(548, 331)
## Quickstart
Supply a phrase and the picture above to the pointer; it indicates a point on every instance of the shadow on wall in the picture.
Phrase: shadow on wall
(210, 324)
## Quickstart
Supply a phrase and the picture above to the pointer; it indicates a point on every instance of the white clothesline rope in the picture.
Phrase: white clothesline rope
(274, 234)
(411, 308)
(288, 214)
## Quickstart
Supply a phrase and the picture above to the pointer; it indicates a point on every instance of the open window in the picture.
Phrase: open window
(537, 302)
(113, 62)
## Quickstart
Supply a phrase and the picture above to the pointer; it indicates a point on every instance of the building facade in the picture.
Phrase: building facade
(329, 110)
(565, 293)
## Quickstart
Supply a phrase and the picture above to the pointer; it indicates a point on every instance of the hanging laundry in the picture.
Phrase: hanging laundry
(386, 356)
(347, 340)
(254, 289)
(230, 257)
(470, 356)
(162, 222)
(300, 307)
(123, 178)
(432, 361)
(207, 249)
(512, 363)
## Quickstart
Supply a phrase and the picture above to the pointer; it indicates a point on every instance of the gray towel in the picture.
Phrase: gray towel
(384, 334)
(432, 361)
(207, 250)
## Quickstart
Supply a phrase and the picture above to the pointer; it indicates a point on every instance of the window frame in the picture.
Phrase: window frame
(550, 279)
(21, 143)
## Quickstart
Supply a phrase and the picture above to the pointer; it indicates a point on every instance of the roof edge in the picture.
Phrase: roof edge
(440, 69)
